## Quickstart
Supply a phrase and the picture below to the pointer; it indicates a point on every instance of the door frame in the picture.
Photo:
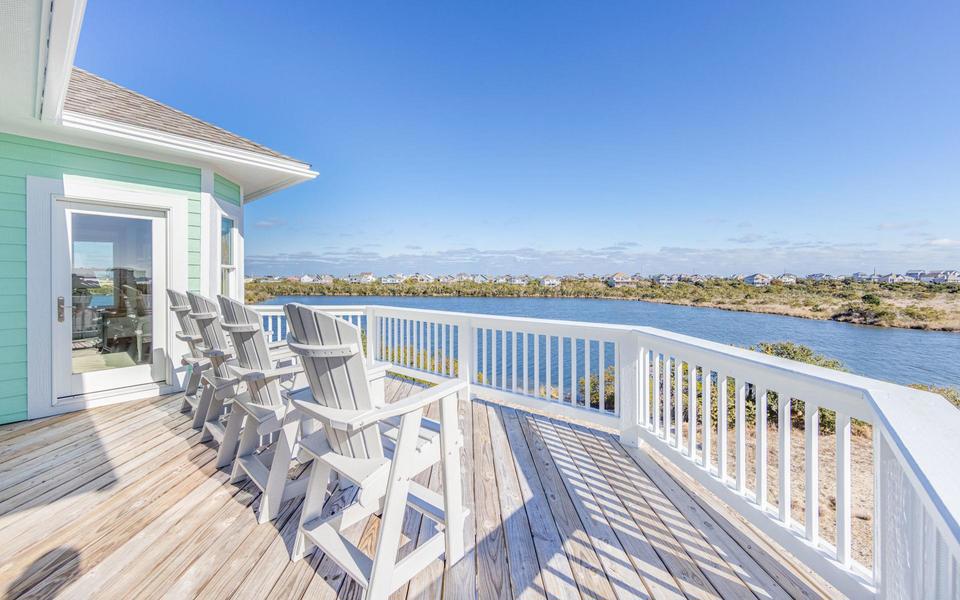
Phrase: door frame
(42, 194)
(68, 384)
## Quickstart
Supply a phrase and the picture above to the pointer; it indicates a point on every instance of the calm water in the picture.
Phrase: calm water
(899, 355)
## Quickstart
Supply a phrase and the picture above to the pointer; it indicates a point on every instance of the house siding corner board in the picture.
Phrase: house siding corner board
(21, 157)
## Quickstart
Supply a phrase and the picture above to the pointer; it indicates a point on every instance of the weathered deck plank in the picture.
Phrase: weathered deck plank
(125, 502)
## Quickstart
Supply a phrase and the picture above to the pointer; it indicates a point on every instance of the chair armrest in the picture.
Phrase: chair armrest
(216, 353)
(219, 383)
(267, 375)
(351, 420)
(194, 339)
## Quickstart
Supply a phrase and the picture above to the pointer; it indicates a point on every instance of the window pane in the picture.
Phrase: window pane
(225, 281)
(226, 241)
(112, 260)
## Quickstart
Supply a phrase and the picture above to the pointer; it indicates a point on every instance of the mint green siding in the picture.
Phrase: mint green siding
(21, 157)
(226, 189)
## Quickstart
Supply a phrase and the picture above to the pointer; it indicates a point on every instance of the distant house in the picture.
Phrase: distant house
(317, 279)
(758, 280)
(915, 274)
(695, 278)
(503, 279)
(447, 279)
(820, 277)
(422, 278)
(786, 279)
(396, 279)
(865, 277)
(365, 277)
(666, 280)
(738, 277)
(519, 280)
(893, 278)
(478, 278)
(550, 281)
(940, 277)
(619, 280)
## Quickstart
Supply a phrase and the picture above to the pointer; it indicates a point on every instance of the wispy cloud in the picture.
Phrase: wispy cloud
(270, 223)
(764, 255)
(944, 242)
(902, 225)
(748, 238)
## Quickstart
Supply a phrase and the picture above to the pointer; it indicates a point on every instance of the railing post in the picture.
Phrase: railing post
(373, 334)
(628, 396)
(466, 352)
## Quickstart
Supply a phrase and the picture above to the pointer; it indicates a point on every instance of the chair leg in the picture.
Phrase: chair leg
(203, 405)
(313, 501)
(249, 441)
(394, 506)
(272, 495)
(450, 442)
(231, 436)
(193, 384)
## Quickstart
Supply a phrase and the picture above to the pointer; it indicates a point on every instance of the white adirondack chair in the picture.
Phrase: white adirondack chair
(194, 359)
(351, 445)
(219, 385)
(259, 411)
(265, 405)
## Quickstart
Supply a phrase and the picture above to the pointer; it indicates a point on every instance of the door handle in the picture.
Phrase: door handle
(60, 309)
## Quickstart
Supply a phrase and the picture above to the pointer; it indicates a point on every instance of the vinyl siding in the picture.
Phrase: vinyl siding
(22, 157)
(226, 189)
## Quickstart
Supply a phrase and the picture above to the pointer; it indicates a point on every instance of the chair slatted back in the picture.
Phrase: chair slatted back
(336, 382)
(180, 305)
(245, 328)
(207, 317)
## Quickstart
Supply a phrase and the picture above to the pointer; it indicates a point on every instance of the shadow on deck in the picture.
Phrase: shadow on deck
(135, 508)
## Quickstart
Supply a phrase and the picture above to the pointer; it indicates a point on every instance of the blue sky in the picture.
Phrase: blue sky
(568, 136)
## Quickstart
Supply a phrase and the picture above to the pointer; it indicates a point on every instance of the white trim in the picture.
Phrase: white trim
(41, 193)
(221, 209)
(65, 23)
(202, 148)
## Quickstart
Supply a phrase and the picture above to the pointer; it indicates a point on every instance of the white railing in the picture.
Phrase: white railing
(702, 405)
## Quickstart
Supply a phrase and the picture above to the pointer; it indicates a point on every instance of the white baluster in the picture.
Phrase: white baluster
(812, 507)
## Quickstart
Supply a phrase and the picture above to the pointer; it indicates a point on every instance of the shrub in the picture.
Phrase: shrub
(923, 314)
(871, 299)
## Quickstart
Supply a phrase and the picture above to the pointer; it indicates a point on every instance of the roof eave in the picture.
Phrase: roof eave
(65, 19)
(286, 172)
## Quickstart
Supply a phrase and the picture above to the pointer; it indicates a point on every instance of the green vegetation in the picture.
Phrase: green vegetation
(914, 305)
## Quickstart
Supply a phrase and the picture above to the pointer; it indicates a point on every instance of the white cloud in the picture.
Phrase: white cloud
(944, 242)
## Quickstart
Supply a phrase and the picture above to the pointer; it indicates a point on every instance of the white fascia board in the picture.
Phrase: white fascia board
(65, 22)
(207, 150)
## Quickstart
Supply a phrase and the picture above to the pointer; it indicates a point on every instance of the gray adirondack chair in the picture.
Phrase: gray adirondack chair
(194, 360)
(219, 385)
(259, 412)
(352, 445)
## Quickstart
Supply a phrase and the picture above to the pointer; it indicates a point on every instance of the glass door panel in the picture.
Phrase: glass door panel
(112, 290)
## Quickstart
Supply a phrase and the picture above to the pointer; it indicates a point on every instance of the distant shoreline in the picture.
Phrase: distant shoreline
(933, 307)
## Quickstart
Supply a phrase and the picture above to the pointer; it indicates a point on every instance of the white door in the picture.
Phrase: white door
(109, 301)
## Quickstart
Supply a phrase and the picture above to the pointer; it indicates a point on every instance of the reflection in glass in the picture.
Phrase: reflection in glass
(112, 261)
(226, 255)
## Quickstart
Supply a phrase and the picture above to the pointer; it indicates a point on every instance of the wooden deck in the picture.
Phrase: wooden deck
(124, 501)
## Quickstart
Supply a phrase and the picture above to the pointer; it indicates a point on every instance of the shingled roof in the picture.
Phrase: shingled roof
(95, 96)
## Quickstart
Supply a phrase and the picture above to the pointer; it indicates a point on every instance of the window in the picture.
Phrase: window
(227, 265)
